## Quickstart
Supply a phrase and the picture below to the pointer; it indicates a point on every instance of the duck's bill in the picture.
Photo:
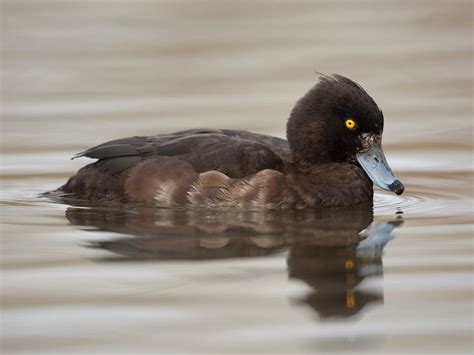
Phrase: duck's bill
(375, 165)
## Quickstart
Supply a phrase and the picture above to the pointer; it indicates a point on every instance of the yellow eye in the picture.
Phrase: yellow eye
(350, 124)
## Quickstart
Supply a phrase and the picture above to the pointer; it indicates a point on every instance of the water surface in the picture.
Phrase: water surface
(95, 279)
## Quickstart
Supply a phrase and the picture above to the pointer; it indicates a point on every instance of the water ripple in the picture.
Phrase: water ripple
(423, 203)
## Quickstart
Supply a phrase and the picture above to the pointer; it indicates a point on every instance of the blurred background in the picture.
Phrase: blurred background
(78, 73)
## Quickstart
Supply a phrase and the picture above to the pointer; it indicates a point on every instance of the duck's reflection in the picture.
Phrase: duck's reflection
(333, 272)
(331, 250)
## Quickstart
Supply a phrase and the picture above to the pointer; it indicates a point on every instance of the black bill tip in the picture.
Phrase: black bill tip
(397, 187)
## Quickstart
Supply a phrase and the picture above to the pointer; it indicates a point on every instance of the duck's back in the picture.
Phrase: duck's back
(234, 153)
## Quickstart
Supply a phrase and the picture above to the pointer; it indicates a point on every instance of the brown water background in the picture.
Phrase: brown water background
(78, 73)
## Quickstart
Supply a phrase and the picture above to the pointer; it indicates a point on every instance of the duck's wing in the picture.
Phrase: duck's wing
(234, 153)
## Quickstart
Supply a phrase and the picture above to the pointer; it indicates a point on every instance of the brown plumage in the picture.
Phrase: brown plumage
(209, 167)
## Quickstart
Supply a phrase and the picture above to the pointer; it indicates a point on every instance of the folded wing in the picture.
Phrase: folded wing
(234, 153)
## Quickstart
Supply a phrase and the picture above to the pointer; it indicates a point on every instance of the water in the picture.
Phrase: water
(94, 279)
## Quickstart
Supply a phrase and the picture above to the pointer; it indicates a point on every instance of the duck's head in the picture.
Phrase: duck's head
(337, 121)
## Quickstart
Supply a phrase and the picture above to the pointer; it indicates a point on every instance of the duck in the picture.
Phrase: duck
(332, 157)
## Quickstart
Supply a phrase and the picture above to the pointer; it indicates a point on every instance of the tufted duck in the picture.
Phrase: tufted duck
(332, 156)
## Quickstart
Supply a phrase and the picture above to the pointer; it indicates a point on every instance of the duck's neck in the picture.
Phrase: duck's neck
(331, 154)
(300, 165)
(331, 183)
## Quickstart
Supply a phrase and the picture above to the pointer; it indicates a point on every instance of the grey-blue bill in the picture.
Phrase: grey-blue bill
(375, 164)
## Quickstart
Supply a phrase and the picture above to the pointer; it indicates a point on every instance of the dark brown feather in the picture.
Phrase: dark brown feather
(234, 153)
